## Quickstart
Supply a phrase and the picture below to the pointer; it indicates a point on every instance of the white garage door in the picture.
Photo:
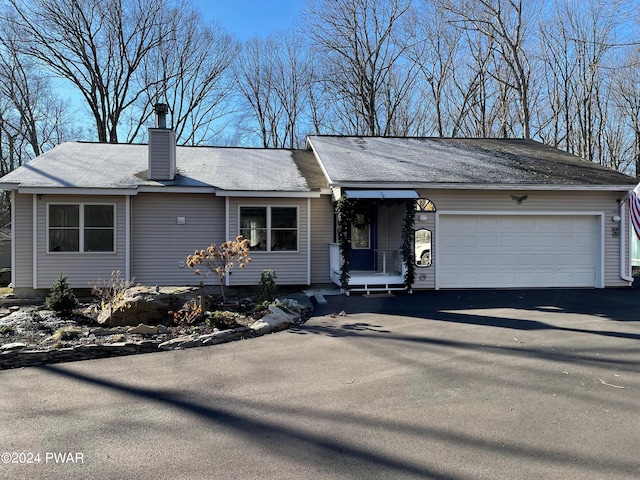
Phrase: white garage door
(485, 251)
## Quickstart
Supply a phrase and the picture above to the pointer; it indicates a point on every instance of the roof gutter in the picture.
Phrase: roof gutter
(268, 194)
(478, 186)
(76, 191)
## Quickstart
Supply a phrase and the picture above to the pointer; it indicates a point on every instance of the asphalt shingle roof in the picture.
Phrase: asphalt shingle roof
(382, 160)
(456, 161)
(100, 165)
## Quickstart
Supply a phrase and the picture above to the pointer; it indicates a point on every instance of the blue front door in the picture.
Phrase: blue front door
(363, 239)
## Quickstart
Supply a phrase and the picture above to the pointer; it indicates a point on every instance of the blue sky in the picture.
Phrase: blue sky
(251, 18)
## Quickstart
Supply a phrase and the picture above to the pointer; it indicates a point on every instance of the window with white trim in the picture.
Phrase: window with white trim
(270, 229)
(81, 227)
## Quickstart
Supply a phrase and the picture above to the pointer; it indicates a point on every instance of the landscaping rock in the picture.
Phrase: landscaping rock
(226, 336)
(143, 329)
(149, 305)
(13, 346)
(275, 321)
(179, 343)
(103, 332)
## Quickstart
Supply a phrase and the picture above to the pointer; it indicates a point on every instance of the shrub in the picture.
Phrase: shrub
(267, 286)
(222, 319)
(61, 298)
(221, 259)
(67, 333)
(191, 312)
(6, 329)
(111, 291)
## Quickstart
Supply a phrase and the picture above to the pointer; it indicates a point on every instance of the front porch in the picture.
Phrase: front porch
(387, 276)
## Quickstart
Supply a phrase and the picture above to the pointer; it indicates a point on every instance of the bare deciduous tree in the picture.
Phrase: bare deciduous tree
(274, 77)
(505, 23)
(97, 45)
(254, 74)
(190, 71)
(357, 41)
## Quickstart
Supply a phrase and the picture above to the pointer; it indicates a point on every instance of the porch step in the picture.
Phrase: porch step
(320, 299)
(320, 294)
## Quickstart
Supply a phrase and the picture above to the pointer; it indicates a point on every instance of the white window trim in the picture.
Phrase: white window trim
(268, 228)
(81, 250)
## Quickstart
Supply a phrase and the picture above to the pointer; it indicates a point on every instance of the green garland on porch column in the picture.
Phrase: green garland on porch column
(407, 243)
(345, 215)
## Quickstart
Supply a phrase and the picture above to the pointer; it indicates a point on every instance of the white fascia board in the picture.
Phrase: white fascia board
(482, 186)
(77, 191)
(9, 186)
(267, 194)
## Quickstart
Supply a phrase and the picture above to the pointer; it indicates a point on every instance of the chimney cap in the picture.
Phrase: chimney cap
(161, 108)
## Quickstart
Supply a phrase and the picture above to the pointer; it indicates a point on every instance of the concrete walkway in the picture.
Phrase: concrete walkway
(540, 384)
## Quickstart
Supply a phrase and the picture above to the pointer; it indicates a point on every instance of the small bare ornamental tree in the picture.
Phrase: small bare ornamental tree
(221, 259)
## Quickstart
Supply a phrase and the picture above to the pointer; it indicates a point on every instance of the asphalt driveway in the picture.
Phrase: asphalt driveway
(540, 384)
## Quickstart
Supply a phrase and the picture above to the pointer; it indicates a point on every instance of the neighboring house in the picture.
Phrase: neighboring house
(5, 247)
(488, 213)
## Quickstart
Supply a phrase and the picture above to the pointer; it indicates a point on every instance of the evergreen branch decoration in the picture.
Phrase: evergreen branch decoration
(407, 244)
(345, 214)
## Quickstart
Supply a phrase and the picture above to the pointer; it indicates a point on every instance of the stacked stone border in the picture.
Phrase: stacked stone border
(18, 355)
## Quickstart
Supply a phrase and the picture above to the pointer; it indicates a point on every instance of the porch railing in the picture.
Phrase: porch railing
(388, 274)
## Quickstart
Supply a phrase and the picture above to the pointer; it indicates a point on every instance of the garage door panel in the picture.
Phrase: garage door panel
(582, 242)
(545, 260)
(526, 241)
(564, 260)
(504, 260)
(508, 241)
(488, 240)
(488, 260)
(518, 251)
(449, 260)
(468, 259)
(566, 241)
(468, 241)
(526, 260)
(548, 241)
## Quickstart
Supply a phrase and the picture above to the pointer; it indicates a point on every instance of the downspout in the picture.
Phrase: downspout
(308, 241)
(34, 239)
(624, 272)
(226, 231)
(127, 236)
(14, 195)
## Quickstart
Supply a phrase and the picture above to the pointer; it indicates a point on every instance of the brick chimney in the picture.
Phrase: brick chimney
(162, 146)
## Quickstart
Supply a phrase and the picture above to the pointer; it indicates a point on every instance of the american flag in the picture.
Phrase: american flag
(634, 209)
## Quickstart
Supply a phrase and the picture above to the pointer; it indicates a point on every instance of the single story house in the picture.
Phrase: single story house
(365, 213)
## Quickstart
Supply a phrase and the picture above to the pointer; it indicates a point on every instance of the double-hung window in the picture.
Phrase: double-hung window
(270, 229)
(81, 227)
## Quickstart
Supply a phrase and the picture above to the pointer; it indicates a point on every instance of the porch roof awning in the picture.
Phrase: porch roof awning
(382, 194)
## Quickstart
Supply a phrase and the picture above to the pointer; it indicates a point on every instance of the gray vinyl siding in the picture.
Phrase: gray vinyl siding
(542, 202)
(160, 245)
(23, 268)
(290, 267)
(322, 234)
(82, 269)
